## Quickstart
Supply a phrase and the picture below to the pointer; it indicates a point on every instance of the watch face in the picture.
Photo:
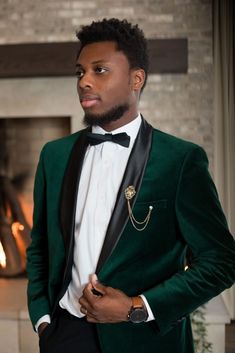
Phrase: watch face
(138, 315)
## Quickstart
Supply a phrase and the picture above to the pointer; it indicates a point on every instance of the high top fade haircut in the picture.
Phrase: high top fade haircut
(129, 38)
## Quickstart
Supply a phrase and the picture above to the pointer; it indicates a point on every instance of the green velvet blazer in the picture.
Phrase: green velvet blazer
(172, 176)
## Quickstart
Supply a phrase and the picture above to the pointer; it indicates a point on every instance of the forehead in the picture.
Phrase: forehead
(101, 52)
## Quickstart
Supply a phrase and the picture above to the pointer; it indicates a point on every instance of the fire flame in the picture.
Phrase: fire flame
(16, 227)
(2, 257)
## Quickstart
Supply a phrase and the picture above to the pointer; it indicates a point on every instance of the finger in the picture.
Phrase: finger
(93, 278)
(89, 299)
(85, 306)
(87, 293)
(90, 293)
(83, 310)
(83, 302)
(99, 288)
(92, 319)
(94, 281)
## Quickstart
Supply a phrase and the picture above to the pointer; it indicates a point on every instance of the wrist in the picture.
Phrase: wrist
(138, 312)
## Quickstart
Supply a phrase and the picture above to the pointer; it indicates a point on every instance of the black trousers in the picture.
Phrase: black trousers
(69, 334)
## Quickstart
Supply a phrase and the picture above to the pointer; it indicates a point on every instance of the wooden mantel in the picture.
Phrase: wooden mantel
(58, 59)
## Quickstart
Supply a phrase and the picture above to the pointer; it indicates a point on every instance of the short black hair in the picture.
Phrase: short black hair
(130, 40)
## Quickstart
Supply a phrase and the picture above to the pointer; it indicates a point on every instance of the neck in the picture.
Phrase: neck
(124, 120)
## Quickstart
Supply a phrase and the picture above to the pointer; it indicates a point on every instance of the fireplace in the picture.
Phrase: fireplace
(21, 140)
(32, 112)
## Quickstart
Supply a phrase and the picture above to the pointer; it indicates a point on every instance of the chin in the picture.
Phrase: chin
(103, 118)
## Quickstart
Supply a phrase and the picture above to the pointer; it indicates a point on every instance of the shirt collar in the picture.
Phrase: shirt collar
(131, 128)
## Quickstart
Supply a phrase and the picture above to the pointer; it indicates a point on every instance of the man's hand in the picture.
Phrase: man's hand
(103, 304)
(42, 327)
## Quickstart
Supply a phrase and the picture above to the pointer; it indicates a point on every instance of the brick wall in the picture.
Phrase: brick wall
(179, 104)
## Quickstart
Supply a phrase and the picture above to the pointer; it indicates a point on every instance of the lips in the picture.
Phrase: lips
(89, 100)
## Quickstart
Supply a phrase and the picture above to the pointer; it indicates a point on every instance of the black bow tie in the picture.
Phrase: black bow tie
(122, 139)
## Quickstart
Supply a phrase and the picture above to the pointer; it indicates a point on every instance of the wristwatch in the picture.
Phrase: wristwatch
(138, 312)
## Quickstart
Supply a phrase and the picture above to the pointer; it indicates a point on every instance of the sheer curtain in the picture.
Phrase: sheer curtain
(224, 123)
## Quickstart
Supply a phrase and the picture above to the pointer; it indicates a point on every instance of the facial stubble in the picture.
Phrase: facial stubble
(107, 117)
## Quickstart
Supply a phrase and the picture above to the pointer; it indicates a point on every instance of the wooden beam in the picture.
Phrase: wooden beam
(58, 59)
(168, 56)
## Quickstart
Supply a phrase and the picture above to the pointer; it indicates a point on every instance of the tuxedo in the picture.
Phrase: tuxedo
(168, 174)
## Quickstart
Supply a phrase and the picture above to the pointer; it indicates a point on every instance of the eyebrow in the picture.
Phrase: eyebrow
(100, 61)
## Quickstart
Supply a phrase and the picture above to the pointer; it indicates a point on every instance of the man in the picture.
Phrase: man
(118, 206)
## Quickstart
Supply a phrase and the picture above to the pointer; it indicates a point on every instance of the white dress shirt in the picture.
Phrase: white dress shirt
(102, 172)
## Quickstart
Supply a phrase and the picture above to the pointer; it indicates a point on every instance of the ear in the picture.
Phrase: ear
(138, 79)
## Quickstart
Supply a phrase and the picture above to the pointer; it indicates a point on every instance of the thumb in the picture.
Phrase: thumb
(98, 288)
(93, 278)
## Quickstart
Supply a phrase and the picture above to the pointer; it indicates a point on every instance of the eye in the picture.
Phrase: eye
(79, 73)
(100, 70)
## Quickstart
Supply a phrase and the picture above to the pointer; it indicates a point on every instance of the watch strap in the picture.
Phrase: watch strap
(137, 302)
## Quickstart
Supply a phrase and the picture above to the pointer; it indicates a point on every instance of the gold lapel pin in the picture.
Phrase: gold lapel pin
(129, 194)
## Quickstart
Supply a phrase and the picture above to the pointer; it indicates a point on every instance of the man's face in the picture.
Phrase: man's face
(106, 84)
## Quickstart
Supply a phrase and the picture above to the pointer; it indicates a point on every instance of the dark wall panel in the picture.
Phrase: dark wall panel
(58, 59)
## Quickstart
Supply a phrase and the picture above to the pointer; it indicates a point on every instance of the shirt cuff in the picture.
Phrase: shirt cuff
(150, 313)
(45, 318)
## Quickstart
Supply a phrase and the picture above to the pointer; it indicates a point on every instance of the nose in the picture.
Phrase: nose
(85, 82)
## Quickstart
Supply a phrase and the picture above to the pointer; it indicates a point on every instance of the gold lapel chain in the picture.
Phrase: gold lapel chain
(129, 194)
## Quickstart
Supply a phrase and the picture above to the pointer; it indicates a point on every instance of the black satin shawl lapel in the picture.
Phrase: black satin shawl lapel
(133, 176)
(70, 188)
(68, 203)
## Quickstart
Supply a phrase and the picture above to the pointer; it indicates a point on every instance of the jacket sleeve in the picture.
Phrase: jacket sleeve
(37, 253)
(203, 226)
